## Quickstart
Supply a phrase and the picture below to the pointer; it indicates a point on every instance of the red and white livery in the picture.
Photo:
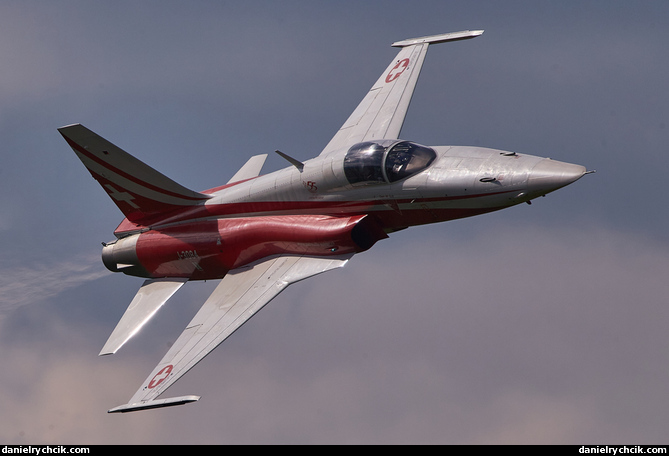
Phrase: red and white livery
(260, 233)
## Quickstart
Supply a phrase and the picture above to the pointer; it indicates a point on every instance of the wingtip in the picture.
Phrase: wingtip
(441, 38)
(113, 345)
(159, 403)
(68, 127)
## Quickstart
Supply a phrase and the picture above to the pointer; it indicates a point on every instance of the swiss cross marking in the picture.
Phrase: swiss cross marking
(121, 196)
(161, 376)
(397, 70)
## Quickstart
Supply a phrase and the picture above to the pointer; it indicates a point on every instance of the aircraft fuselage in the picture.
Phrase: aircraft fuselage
(317, 211)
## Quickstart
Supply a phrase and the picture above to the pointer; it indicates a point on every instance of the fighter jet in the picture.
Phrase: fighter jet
(258, 234)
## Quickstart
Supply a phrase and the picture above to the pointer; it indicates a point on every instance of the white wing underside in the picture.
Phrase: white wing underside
(239, 295)
(149, 299)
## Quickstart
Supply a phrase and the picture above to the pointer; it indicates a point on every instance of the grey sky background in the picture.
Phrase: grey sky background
(538, 324)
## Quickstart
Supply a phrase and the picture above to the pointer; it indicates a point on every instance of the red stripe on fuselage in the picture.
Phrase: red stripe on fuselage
(382, 209)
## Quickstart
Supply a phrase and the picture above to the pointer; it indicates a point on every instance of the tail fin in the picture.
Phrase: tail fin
(139, 191)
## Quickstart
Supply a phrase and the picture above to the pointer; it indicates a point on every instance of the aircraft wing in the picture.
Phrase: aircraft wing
(239, 295)
(381, 113)
(149, 299)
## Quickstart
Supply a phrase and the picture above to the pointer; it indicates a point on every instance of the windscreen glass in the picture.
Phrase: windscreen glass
(385, 161)
(406, 159)
(363, 164)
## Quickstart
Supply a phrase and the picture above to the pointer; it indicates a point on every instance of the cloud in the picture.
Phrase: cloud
(56, 397)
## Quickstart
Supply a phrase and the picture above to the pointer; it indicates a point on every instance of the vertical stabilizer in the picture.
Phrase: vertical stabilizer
(139, 191)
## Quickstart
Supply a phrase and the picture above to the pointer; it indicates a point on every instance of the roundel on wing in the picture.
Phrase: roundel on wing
(161, 376)
(397, 70)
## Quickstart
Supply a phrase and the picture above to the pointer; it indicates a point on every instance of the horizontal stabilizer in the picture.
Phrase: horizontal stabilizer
(151, 296)
(250, 169)
(158, 403)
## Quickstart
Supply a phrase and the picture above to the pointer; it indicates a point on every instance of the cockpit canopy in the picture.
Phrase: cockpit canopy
(387, 161)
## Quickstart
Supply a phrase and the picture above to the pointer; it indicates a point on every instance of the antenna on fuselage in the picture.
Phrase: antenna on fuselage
(296, 163)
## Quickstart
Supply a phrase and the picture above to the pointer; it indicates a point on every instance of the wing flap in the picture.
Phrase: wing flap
(149, 298)
(239, 295)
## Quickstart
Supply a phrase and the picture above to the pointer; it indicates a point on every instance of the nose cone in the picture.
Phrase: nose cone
(549, 175)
